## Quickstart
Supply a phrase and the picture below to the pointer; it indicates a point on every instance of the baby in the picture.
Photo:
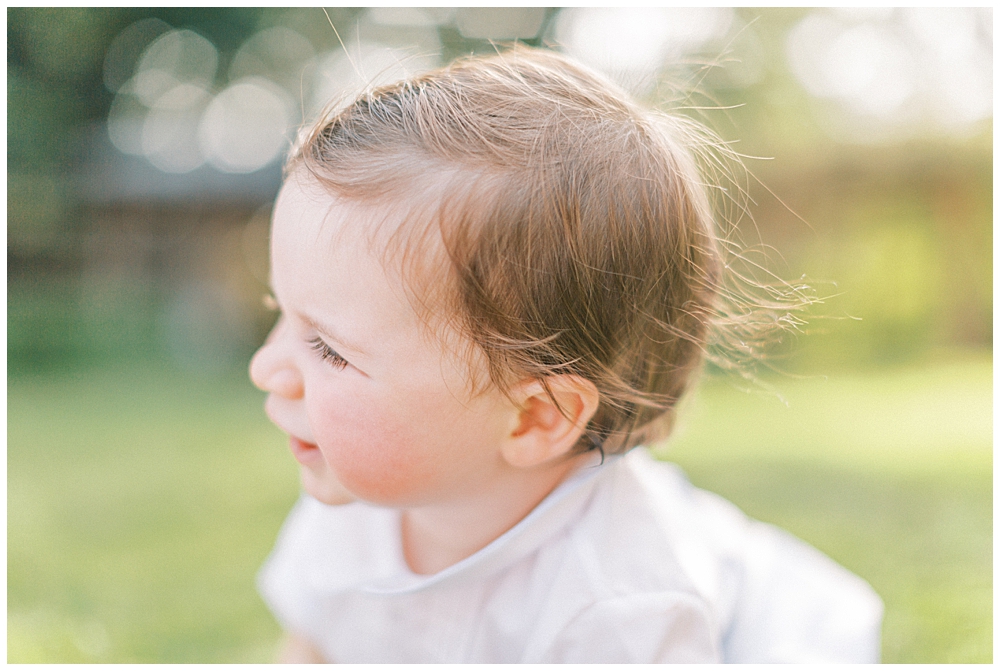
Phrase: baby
(496, 280)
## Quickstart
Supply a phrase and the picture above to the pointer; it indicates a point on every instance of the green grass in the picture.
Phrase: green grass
(140, 504)
(139, 507)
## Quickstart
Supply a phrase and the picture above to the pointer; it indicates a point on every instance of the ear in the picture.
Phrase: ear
(546, 431)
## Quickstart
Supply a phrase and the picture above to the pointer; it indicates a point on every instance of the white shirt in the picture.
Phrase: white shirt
(623, 562)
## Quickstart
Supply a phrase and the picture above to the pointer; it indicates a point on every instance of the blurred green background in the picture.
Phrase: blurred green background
(145, 485)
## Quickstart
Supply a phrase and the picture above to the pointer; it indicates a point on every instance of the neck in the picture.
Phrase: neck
(435, 537)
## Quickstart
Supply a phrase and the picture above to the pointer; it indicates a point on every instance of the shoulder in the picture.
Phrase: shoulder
(798, 605)
(762, 593)
(617, 584)
(647, 529)
(649, 627)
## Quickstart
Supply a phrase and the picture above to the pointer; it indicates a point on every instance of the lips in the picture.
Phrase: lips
(304, 453)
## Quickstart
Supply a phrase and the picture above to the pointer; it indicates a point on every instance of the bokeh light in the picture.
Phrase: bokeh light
(865, 65)
(876, 74)
(891, 72)
(632, 44)
(170, 132)
(244, 127)
(178, 57)
(125, 120)
(157, 111)
(277, 53)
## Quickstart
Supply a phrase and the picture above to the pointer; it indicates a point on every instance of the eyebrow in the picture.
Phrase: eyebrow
(331, 334)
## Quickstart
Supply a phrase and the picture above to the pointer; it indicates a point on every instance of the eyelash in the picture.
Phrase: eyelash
(326, 353)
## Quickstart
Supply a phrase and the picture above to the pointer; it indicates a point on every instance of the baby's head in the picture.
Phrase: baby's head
(541, 230)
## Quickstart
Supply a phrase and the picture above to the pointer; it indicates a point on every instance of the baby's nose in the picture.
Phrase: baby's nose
(274, 373)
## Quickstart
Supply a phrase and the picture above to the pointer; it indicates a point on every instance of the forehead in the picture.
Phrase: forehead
(391, 226)
(329, 251)
(308, 215)
(312, 224)
(401, 227)
(321, 263)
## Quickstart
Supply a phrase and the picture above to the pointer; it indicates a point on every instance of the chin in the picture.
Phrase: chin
(330, 493)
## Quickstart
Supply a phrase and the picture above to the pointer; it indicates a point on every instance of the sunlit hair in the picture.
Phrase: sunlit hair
(577, 228)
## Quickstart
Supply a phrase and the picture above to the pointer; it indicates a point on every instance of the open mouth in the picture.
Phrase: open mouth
(304, 453)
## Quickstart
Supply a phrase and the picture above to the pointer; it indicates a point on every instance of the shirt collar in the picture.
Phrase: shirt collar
(547, 518)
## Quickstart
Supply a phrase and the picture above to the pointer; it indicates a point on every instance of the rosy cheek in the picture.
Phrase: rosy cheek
(373, 454)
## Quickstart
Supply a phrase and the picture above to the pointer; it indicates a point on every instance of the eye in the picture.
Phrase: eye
(327, 353)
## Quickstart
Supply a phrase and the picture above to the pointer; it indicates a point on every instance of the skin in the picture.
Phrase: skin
(297, 649)
(377, 409)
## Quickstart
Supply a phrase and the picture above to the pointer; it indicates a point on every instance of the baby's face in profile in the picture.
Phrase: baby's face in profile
(374, 407)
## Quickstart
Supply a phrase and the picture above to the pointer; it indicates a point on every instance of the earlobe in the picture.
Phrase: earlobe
(550, 425)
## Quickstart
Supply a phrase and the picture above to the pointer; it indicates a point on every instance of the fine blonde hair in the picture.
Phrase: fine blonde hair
(577, 227)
